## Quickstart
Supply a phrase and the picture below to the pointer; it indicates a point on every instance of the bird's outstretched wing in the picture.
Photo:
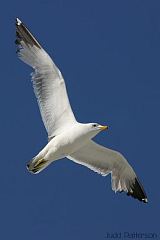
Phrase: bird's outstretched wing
(104, 161)
(48, 83)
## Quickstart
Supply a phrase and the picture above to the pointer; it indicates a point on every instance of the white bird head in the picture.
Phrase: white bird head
(91, 129)
(96, 127)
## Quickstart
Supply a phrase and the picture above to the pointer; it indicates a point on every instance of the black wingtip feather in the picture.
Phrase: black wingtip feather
(138, 192)
(23, 34)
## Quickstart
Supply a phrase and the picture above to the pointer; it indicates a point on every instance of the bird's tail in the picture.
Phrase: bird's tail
(36, 165)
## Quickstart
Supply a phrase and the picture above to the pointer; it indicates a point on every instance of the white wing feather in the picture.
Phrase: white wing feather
(48, 83)
(104, 161)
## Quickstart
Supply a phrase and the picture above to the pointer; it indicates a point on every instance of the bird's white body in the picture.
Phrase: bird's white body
(67, 137)
(66, 143)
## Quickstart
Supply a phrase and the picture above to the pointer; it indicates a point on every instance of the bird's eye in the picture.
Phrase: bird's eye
(94, 125)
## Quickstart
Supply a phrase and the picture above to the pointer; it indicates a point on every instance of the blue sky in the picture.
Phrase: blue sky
(109, 54)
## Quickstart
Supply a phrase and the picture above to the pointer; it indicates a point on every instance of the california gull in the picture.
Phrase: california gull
(67, 137)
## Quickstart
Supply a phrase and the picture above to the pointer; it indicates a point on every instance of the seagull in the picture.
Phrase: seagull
(66, 136)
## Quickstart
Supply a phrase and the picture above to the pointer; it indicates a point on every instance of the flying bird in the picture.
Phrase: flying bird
(66, 136)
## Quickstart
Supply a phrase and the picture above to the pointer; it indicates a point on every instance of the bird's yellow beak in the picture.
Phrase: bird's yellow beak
(103, 127)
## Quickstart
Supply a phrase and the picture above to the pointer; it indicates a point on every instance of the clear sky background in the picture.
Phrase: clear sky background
(109, 55)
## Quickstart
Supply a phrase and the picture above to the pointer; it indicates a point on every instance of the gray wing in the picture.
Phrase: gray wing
(48, 83)
(104, 161)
